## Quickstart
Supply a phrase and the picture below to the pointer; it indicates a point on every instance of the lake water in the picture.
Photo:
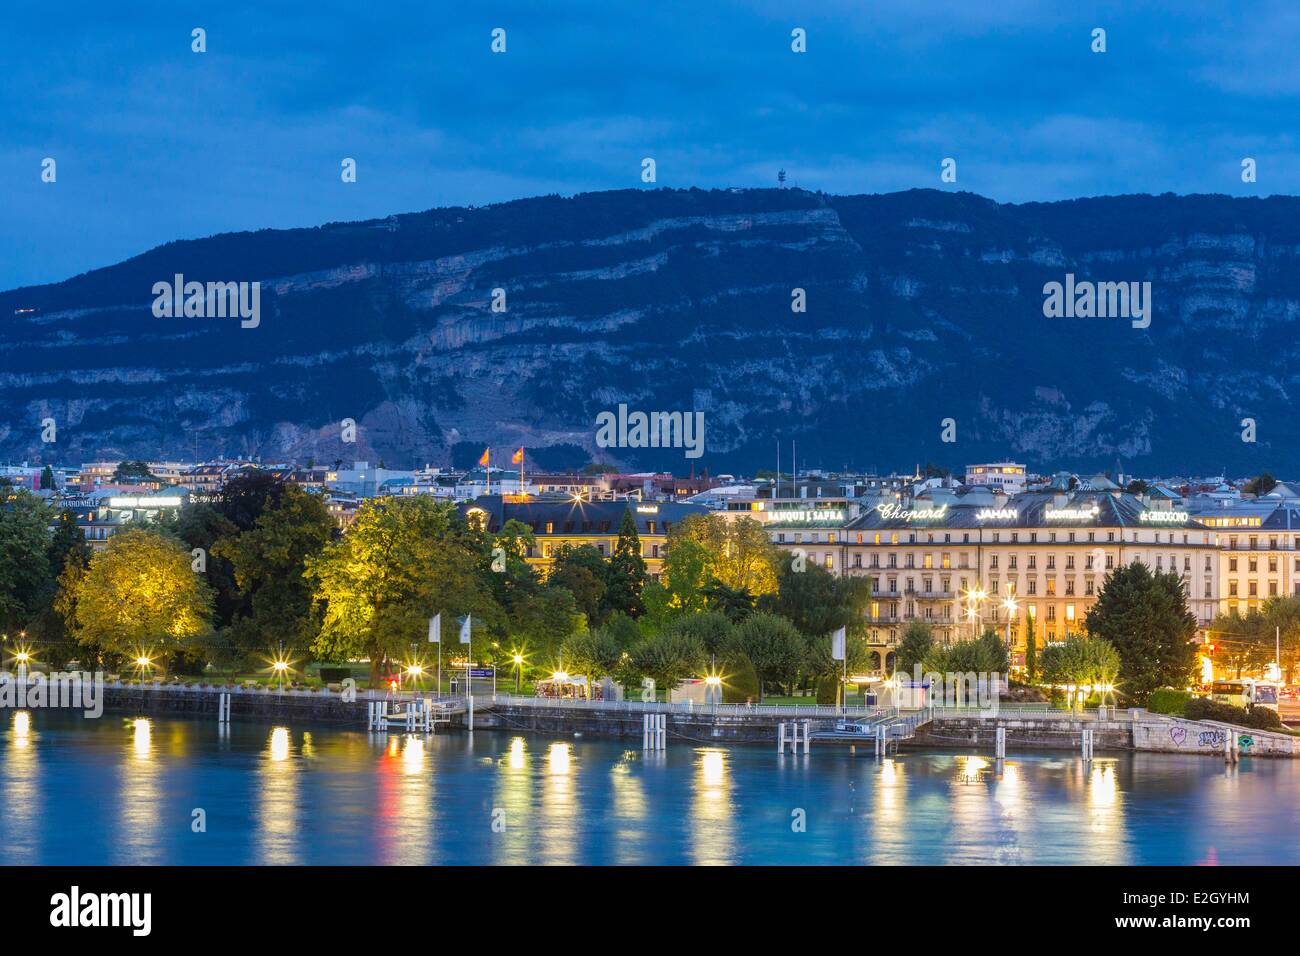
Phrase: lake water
(124, 791)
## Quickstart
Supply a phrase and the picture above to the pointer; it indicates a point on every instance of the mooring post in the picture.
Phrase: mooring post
(470, 704)
(1001, 750)
(661, 739)
(806, 741)
(1087, 744)
(780, 737)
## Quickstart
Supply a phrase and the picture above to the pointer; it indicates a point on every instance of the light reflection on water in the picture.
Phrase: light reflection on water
(21, 783)
(78, 791)
(138, 799)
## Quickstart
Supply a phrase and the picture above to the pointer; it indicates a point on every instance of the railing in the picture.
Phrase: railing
(1049, 711)
(685, 707)
(239, 689)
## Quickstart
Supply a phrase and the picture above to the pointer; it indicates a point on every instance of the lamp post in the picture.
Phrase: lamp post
(519, 660)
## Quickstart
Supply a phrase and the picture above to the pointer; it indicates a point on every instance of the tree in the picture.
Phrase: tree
(203, 527)
(128, 472)
(739, 680)
(401, 561)
(269, 561)
(1145, 617)
(916, 645)
(1137, 487)
(25, 578)
(625, 573)
(713, 629)
(1081, 661)
(736, 603)
(47, 478)
(816, 601)
(738, 552)
(581, 571)
(1260, 486)
(243, 498)
(985, 654)
(68, 544)
(668, 658)
(685, 576)
(137, 596)
(773, 645)
(1247, 642)
(593, 654)
(544, 620)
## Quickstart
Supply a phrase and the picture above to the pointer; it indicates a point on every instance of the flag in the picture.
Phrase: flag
(486, 457)
(837, 645)
(517, 458)
(435, 629)
(464, 630)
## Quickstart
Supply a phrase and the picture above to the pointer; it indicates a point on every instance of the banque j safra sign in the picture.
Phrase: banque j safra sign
(893, 512)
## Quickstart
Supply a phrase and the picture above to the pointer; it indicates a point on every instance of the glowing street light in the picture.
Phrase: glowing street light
(519, 663)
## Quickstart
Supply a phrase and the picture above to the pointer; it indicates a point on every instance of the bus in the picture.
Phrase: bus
(1245, 692)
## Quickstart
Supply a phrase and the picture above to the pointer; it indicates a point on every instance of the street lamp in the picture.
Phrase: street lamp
(713, 683)
(1010, 606)
(519, 661)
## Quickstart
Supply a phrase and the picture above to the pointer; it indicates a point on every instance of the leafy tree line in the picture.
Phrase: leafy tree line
(261, 572)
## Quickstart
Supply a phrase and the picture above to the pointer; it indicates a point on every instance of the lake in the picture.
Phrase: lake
(125, 791)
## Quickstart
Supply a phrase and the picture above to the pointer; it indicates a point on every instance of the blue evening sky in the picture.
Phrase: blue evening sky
(154, 142)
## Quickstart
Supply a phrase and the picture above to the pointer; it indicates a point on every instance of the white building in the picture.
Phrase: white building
(1005, 476)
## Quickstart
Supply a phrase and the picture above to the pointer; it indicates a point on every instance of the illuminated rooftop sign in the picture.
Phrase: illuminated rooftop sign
(813, 514)
(647, 509)
(996, 514)
(893, 512)
(1072, 514)
(162, 502)
(1164, 517)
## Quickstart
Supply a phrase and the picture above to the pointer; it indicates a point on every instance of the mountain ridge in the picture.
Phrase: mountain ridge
(922, 306)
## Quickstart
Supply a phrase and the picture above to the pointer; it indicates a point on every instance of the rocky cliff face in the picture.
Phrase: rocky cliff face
(921, 306)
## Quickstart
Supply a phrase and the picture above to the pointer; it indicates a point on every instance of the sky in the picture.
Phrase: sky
(154, 142)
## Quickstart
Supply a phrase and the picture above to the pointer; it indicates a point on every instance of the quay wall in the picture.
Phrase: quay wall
(1023, 733)
(679, 725)
(244, 704)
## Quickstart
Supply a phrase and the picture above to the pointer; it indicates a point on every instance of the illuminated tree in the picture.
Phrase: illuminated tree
(139, 593)
(401, 561)
(738, 552)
